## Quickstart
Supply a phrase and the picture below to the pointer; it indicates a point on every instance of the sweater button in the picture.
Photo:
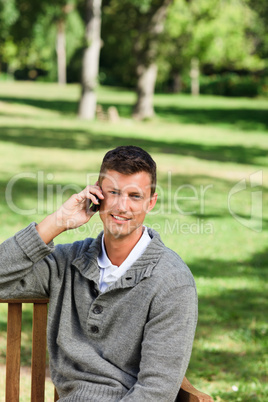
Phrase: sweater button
(97, 309)
(94, 329)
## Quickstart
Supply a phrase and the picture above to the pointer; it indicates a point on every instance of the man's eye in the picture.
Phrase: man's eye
(136, 196)
(113, 192)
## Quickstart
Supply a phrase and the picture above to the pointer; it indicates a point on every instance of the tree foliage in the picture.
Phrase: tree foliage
(8, 16)
(221, 35)
(226, 35)
(31, 34)
(261, 9)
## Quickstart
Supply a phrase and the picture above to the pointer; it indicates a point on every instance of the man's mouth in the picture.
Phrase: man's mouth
(120, 218)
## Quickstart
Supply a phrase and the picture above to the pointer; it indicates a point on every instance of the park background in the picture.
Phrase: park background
(186, 80)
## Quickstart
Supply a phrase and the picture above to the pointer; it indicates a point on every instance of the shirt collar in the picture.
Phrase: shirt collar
(103, 260)
(136, 252)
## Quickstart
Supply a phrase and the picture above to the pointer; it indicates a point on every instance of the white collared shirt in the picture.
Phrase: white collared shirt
(109, 273)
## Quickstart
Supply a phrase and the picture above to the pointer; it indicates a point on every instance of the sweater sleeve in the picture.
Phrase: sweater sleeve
(18, 257)
(166, 347)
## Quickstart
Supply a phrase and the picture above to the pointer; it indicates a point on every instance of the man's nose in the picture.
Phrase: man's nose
(122, 203)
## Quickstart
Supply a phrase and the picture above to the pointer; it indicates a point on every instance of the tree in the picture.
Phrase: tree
(261, 9)
(90, 64)
(33, 36)
(56, 14)
(60, 18)
(21, 31)
(131, 46)
(220, 36)
(9, 14)
(146, 50)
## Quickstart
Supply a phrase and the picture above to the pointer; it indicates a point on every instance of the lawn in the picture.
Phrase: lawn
(212, 162)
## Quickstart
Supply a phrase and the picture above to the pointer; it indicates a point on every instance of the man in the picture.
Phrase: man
(123, 307)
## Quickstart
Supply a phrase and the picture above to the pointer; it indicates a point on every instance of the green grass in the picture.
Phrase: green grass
(203, 147)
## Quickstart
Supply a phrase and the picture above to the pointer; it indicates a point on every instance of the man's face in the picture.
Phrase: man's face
(127, 200)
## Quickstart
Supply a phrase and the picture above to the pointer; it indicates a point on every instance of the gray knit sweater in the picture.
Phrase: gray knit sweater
(131, 343)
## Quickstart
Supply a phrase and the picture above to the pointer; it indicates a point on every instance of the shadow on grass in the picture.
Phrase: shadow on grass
(237, 305)
(256, 266)
(62, 106)
(245, 119)
(212, 363)
(235, 308)
(242, 118)
(236, 316)
(231, 307)
(81, 140)
(239, 369)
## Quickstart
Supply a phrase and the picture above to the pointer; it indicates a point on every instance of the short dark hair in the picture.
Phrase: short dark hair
(129, 160)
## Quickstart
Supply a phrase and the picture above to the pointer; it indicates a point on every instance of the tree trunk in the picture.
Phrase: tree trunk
(146, 53)
(145, 91)
(176, 83)
(61, 52)
(194, 74)
(90, 64)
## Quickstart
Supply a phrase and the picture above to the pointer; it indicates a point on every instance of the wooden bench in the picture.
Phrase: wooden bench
(187, 392)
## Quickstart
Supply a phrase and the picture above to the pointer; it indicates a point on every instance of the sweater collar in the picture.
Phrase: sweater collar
(88, 266)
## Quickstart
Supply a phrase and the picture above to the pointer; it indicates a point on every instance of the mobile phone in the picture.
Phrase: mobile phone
(95, 207)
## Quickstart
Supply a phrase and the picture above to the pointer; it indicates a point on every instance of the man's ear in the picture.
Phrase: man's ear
(152, 202)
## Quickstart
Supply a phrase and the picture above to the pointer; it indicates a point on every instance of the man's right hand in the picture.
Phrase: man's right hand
(73, 213)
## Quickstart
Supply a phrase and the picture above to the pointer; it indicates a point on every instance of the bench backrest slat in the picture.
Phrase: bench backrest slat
(13, 352)
(39, 352)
